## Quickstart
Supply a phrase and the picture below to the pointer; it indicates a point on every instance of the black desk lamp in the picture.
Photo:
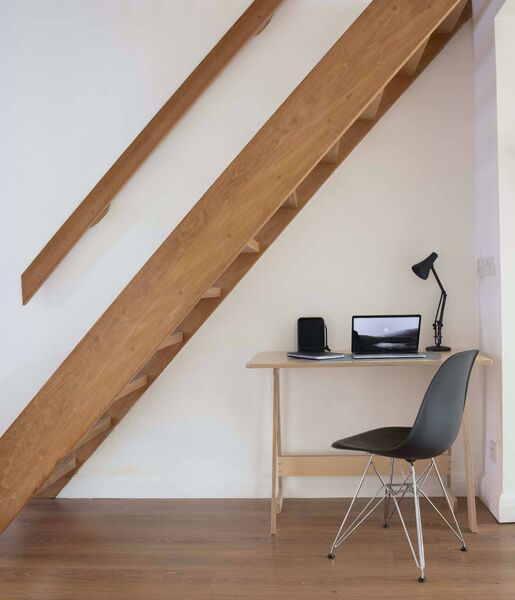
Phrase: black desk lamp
(422, 270)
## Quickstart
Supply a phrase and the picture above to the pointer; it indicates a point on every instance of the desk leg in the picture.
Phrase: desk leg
(469, 472)
(273, 507)
(280, 482)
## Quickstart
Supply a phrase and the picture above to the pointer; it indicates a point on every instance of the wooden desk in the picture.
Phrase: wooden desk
(348, 464)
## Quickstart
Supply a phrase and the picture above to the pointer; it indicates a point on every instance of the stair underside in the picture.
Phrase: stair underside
(243, 204)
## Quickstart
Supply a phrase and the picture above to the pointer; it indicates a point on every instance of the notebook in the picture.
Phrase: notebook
(316, 355)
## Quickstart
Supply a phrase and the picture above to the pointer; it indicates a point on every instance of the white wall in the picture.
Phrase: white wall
(487, 240)
(83, 78)
(494, 49)
(505, 52)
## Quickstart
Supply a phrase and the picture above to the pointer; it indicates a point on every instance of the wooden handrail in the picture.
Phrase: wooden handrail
(234, 209)
(96, 203)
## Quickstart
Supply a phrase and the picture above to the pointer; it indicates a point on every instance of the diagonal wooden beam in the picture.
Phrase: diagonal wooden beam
(94, 207)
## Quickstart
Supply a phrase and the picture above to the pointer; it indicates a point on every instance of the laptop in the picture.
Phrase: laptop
(386, 336)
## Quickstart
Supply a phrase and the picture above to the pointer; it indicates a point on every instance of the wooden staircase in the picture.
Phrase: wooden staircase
(240, 216)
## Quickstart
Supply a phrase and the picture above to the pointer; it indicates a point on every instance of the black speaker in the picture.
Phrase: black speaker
(311, 334)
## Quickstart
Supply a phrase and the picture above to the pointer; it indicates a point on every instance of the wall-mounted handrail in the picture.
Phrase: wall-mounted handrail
(96, 204)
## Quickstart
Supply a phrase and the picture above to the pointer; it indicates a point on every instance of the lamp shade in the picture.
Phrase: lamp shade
(423, 268)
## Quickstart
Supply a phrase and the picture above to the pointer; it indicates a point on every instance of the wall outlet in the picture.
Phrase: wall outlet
(492, 450)
(486, 266)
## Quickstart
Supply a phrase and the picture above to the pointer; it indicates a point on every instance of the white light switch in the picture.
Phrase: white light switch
(486, 266)
(492, 447)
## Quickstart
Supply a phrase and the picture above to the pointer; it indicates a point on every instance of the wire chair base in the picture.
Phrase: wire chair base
(393, 493)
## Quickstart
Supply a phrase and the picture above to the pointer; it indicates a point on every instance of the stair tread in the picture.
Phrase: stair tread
(171, 340)
(292, 201)
(212, 292)
(251, 247)
(103, 424)
(63, 468)
(135, 384)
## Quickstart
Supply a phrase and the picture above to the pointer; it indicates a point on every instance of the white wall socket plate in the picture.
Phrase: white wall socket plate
(492, 449)
(486, 266)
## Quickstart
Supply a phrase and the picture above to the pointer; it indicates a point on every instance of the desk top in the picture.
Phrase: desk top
(280, 360)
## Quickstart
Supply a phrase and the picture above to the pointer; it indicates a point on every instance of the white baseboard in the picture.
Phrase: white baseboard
(500, 504)
(490, 495)
(221, 485)
(187, 485)
(506, 508)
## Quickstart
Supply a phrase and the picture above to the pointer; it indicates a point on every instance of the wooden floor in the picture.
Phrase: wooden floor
(180, 549)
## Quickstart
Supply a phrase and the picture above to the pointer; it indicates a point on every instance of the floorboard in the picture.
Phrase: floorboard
(182, 549)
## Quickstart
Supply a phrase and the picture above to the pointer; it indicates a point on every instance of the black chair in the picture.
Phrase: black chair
(433, 433)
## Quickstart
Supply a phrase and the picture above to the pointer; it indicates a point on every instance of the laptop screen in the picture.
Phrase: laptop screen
(385, 334)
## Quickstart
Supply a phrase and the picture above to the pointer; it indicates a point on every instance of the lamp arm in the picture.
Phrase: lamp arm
(444, 299)
(442, 289)
(438, 323)
(438, 309)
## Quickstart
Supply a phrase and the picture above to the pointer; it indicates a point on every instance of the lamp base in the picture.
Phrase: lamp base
(438, 349)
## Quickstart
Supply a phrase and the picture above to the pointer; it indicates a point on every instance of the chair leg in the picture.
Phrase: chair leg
(335, 542)
(396, 494)
(388, 493)
(451, 508)
(386, 523)
(420, 538)
(420, 561)
(404, 486)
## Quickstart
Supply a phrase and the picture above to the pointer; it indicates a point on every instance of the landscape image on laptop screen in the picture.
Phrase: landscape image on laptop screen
(385, 334)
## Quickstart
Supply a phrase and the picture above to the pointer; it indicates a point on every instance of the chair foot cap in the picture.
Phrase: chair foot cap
(386, 526)
(421, 579)
(330, 556)
(464, 549)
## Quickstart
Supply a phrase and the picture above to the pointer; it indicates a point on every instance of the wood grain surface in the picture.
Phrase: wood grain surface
(222, 550)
